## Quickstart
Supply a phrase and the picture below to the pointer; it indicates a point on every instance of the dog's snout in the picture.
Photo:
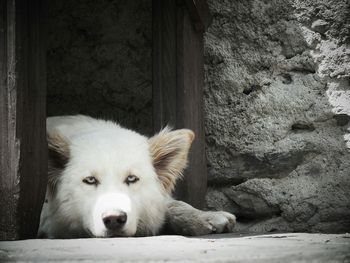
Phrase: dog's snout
(115, 220)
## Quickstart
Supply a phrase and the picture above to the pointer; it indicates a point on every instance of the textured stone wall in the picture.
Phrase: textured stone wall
(277, 102)
(99, 60)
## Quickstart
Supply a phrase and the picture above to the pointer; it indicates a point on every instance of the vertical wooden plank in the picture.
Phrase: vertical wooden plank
(164, 63)
(31, 123)
(177, 88)
(190, 81)
(23, 117)
(9, 149)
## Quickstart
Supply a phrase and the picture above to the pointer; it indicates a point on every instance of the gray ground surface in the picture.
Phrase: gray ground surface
(291, 247)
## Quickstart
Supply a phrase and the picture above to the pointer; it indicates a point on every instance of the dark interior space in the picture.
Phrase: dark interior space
(99, 60)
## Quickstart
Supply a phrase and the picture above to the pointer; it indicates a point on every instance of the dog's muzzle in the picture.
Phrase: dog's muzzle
(110, 215)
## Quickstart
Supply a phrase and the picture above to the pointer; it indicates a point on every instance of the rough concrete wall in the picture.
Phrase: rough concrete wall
(277, 102)
(99, 60)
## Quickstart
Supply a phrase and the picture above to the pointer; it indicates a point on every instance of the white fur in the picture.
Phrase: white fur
(111, 153)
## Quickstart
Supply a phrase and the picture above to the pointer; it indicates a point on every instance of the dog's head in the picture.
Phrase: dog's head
(114, 182)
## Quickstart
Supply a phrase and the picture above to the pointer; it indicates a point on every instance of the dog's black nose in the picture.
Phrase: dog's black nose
(115, 220)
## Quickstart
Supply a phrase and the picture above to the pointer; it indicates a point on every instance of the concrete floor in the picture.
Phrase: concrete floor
(291, 247)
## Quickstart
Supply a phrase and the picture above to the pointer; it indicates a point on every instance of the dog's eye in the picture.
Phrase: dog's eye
(90, 180)
(131, 179)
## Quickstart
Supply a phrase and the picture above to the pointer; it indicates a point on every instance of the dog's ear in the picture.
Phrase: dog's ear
(169, 151)
(58, 155)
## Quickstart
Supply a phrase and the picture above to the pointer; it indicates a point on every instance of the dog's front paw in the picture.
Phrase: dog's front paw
(186, 220)
(219, 222)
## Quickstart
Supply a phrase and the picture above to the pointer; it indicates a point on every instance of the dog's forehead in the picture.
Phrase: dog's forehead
(111, 147)
(115, 137)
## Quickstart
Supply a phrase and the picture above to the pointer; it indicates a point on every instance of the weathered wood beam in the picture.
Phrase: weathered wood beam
(23, 154)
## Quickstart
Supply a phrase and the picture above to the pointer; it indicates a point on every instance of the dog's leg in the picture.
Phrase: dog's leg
(184, 219)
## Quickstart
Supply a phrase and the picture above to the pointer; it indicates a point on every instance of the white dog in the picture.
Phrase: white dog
(106, 181)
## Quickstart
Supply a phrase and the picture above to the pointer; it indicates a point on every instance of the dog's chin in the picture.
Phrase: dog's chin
(110, 234)
(118, 234)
